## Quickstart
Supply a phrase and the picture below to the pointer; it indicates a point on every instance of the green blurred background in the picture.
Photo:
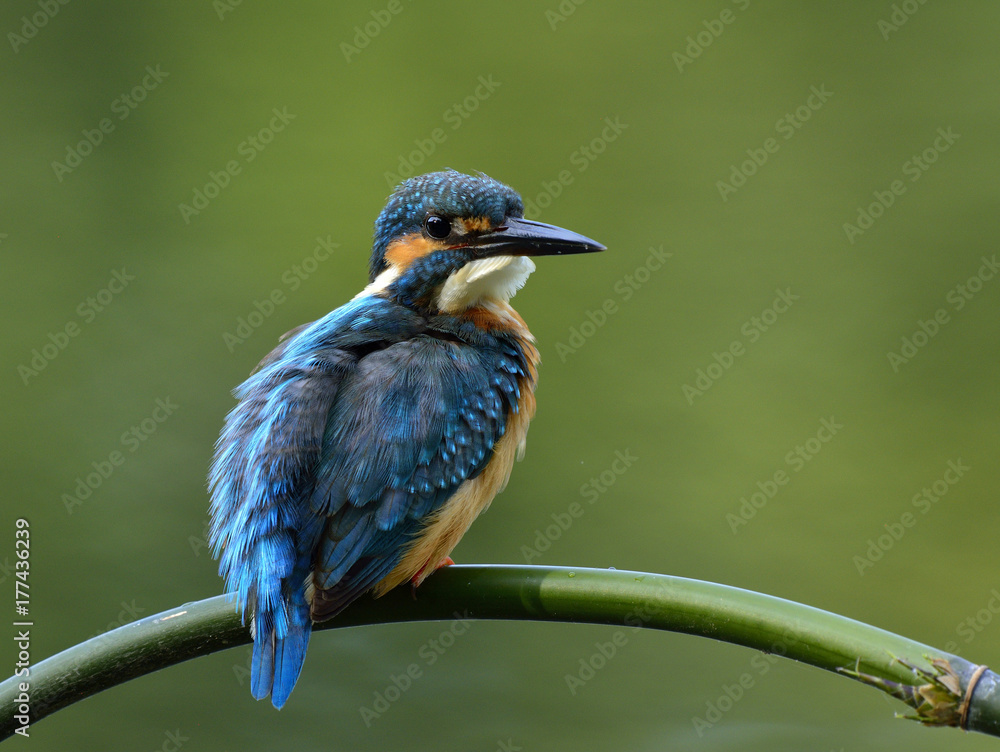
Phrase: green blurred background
(686, 112)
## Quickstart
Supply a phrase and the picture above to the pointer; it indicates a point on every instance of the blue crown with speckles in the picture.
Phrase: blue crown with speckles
(449, 193)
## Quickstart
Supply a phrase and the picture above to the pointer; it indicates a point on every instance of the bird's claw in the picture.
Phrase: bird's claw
(419, 577)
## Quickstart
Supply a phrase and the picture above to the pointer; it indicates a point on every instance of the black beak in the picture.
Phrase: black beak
(523, 237)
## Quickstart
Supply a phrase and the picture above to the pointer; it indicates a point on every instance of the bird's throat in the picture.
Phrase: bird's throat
(497, 277)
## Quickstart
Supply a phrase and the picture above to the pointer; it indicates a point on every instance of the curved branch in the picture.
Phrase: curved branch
(935, 683)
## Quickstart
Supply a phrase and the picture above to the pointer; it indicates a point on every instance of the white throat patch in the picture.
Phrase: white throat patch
(496, 277)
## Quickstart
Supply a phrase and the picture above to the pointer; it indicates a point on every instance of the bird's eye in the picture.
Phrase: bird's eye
(437, 227)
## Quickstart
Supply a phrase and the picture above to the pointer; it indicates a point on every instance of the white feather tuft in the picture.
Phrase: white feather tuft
(497, 277)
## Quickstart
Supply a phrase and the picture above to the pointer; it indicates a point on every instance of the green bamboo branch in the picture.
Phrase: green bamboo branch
(931, 681)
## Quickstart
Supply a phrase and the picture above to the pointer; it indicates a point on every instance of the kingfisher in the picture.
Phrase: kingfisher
(367, 442)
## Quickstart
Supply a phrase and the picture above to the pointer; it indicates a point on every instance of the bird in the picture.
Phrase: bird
(362, 447)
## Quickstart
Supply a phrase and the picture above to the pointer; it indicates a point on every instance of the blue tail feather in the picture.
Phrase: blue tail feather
(277, 661)
(289, 655)
(282, 628)
(262, 665)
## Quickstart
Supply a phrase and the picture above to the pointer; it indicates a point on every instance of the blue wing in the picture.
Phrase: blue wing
(413, 423)
(345, 438)
(261, 479)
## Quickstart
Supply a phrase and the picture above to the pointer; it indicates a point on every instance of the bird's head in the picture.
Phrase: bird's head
(446, 241)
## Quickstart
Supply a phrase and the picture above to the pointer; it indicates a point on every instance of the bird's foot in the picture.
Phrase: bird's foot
(423, 574)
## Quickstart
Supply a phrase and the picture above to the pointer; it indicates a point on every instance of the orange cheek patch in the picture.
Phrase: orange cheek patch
(403, 252)
(477, 224)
